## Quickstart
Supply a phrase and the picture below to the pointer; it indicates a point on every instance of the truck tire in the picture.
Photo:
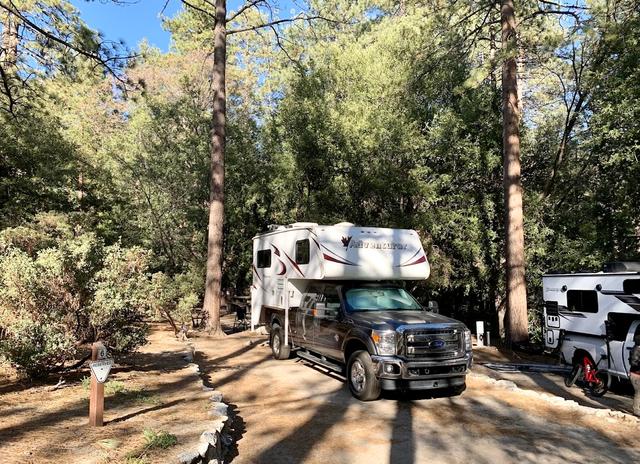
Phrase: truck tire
(361, 377)
(574, 375)
(278, 348)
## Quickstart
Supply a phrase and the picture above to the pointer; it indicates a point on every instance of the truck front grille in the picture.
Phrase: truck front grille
(434, 344)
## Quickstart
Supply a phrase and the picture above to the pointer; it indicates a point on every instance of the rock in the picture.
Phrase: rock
(219, 408)
(227, 439)
(210, 438)
(203, 449)
(216, 397)
(218, 425)
(188, 457)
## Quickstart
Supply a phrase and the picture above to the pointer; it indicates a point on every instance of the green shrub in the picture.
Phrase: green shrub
(121, 294)
(60, 287)
(160, 439)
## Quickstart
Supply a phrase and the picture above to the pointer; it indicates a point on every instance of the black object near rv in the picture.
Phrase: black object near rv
(334, 295)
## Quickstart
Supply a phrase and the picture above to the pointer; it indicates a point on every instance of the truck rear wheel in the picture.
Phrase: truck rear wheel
(361, 377)
(278, 348)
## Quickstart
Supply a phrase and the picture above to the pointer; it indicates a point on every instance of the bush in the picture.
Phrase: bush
(121, 298)
(60, 288)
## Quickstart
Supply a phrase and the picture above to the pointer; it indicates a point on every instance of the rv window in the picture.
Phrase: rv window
(302, 251)
(264, 258)
(583, 301)
(631, 286)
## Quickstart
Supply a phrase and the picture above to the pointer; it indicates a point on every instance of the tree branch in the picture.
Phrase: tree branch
(244, 8)
(280, 21)
(201, 10)
(103, 61)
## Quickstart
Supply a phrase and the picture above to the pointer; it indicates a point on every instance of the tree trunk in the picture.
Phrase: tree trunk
(216, 195)
(516, 287)
(10, 40)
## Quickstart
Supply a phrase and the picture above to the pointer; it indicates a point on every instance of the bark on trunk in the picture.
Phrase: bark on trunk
(10, 40)
(516, 288)
(216, 197)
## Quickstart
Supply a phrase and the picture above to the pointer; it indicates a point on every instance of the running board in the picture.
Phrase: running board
(319, 360)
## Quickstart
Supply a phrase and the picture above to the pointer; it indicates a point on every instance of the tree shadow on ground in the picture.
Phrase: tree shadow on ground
(79, 408)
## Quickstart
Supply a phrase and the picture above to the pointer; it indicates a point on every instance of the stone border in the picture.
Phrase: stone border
(215, 440)
(557, 400)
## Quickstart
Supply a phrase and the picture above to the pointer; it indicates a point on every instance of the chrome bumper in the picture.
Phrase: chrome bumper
(404, 369)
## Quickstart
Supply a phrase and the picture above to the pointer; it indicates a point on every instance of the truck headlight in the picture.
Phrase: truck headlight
(467, 340)
(385, 341)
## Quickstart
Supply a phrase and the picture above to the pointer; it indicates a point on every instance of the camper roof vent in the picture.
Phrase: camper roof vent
(345, 224)
(272, 227)
(622, 266)
(302, 224)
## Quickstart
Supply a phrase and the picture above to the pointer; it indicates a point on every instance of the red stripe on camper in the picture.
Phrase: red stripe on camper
(339, 258)
(331, 258)
(275, 250)
(283, 269)
(294, 264)
(422, 259)
(256, 272)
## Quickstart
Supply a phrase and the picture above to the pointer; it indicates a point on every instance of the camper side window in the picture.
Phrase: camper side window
(583, 301)
(631, 286)
(264, 258)
(302, 251)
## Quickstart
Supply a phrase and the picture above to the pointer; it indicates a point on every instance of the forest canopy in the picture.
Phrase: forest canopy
(387, 114)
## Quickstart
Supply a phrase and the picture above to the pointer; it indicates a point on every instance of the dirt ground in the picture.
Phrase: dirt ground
(293, 412)
(618, 398)
(159, 393)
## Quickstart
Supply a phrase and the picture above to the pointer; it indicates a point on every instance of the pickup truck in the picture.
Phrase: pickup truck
(377, 334)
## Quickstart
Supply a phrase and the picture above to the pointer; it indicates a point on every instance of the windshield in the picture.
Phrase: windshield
(380, 299)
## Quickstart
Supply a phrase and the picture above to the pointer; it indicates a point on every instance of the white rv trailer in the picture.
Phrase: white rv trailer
(287, 258)
(594, 314)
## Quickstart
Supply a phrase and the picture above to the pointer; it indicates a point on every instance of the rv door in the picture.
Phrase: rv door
(629, 344)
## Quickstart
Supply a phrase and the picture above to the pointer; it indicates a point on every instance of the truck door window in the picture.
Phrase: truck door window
(302, 251)
(331, 302)
(264, 258)
(583, 301)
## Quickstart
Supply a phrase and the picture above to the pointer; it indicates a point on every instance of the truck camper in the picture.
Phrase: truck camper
(334, 294)
(591, 320)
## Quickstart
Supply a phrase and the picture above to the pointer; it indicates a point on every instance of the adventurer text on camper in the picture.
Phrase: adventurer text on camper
(378, 245)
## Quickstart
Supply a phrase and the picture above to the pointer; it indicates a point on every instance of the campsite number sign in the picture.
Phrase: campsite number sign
(100, 366)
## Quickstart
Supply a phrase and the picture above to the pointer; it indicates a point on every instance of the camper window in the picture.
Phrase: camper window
(583, 301)
(631, 286)
(264, 258)
(302, 251)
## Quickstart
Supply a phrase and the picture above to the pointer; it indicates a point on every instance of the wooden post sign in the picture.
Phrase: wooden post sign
(100, 366)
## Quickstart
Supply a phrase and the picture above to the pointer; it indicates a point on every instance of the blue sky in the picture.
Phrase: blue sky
(137, 20)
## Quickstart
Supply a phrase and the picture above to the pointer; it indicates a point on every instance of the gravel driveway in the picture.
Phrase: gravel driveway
(293, 412)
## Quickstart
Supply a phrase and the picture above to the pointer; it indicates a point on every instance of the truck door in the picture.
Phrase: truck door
(330, 331)
(621, 331)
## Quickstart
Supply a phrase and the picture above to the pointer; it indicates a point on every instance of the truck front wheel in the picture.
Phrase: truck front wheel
(361, 377)
(278, 348)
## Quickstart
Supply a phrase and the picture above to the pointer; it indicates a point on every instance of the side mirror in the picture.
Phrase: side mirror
(433, 307)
